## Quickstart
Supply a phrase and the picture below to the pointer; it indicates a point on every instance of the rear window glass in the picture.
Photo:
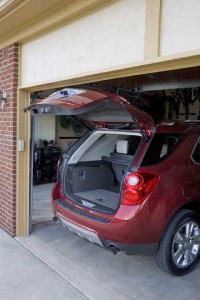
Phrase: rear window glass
(161, 146)
(196, 153)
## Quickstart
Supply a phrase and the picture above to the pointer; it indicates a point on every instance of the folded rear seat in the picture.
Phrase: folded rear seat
(120, 159)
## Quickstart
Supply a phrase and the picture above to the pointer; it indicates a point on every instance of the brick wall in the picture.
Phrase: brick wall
(8, 132)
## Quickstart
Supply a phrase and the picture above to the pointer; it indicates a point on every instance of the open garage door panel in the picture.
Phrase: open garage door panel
(173, 94)
(172, 79)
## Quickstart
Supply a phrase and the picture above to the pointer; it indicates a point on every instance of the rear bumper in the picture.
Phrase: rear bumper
(143, 249)
(82, 232)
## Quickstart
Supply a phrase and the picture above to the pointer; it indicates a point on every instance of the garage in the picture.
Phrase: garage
(170, 95)
(176, 96)
(152, 54)
(99, 265)
(147, 52)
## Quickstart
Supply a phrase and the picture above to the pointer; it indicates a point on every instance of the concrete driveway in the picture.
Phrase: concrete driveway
(23, 276)
(98, 274)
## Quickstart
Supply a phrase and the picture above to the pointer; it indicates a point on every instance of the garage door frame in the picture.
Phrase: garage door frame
(152, 63)
(23, 119)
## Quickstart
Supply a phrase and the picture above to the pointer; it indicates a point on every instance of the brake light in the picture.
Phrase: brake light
(137, 187)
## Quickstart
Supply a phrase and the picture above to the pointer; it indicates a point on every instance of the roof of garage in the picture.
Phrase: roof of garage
(24, 19)
(22, 13)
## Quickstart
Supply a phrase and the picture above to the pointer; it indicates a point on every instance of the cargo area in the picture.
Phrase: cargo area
(96, 169)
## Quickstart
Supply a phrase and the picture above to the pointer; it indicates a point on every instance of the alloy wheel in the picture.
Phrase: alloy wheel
(186, 244)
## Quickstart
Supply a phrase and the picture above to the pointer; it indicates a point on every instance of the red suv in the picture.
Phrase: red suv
(127, 184)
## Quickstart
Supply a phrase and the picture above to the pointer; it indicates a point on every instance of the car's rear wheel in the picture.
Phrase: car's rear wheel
(179, 249)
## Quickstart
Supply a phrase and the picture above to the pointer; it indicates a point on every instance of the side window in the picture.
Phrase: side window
(168, 143)
(196, 152)
(161, 146)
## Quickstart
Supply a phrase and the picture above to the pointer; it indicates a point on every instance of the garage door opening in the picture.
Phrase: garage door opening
(51, 137)
(167, 95)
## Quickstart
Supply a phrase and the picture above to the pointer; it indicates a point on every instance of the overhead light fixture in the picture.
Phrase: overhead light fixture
(3, 98)
(168, 85)
(3, 95)
(151, 76)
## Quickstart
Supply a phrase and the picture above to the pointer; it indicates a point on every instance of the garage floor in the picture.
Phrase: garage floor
(98, 274)
(41, 208)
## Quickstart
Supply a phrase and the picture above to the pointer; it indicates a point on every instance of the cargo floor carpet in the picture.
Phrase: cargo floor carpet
(101, 196)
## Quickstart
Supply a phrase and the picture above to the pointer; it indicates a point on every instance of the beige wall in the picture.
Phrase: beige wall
(45, 128)
(109, 37)
(61, 133)
(49, 128)
(121, 34)
(180, 26)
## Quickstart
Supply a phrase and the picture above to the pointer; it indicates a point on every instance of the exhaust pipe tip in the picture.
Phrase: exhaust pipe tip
(114, 250)
(55, 219)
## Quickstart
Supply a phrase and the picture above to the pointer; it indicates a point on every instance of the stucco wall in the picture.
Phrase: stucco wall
(109, 37)
(180, 26)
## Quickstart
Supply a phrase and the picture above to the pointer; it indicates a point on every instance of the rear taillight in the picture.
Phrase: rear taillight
(137, 187)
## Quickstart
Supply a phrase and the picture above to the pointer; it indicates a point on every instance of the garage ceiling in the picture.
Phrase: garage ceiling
(169, 80)
(182, 78)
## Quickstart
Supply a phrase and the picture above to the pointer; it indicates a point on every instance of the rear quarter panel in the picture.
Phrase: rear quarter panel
(176, 187)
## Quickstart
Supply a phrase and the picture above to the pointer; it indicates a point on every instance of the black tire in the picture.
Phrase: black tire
(179, 249)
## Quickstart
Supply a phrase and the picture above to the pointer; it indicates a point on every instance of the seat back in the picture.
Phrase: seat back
(122, 147)
(122, 159)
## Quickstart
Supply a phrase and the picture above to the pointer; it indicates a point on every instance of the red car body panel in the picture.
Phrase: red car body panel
(87, 100)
